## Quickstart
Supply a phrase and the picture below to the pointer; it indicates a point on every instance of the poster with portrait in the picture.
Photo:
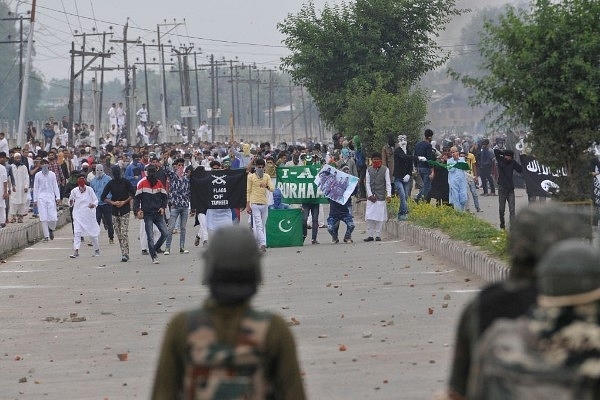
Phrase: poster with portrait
(335, 184)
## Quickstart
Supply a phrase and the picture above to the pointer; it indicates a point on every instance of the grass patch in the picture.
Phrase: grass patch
(462, 226)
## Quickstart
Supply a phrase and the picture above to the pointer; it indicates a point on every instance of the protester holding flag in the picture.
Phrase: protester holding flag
(217, 217)
(457, 181)
(257, 186)
(506, 186)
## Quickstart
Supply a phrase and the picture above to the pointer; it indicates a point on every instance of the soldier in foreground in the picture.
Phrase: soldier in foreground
(227, 349)
(553, 352)
(536, 229)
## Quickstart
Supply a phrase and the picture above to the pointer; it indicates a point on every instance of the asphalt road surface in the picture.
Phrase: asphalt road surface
(373, 320)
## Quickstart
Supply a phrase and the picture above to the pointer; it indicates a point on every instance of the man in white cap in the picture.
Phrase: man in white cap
(20, 190)
(46, 196)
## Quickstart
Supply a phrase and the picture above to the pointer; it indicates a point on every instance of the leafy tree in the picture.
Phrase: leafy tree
(349, 51)
(544, 71)
(380, 112)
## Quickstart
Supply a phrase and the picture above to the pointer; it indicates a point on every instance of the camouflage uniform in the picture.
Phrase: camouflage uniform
(554, 351)
(535, 229)
(264, 356)
(226, 349)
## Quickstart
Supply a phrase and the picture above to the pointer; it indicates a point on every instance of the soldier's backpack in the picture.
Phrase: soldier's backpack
(513, 363)
(216, 370)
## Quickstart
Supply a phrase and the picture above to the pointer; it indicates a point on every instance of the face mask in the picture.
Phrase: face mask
(377, 164)
(81, 182)
(99, 174)
(120, 163)
(259, 172)
(45, 169)
(402, 142)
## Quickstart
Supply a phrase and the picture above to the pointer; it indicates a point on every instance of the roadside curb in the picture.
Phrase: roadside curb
(17, 236)
(463, 254)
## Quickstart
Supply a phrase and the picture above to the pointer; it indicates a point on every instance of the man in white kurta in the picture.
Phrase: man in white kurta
(84, 203)
(112, 115)
(379, 192)
(19, 197)
(46, 196)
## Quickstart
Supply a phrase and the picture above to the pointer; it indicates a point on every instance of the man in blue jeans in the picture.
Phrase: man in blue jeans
(179, 195)
(149, 203)
(424, 152)
(403, 167)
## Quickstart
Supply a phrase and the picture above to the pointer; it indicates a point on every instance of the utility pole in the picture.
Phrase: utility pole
(20, 42)
(84, 35)
(214, 88)
(213, 111)
(146, 63)
(74, 76)
(271, 108)
(25, 87)
(184, 77)
(233, 121)
(161, 59)
(198, 105)
(99, 126)
(304, 112)
(292, 114)
(130, 117)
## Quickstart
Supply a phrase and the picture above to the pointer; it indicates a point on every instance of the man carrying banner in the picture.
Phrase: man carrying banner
(256, 201)
(217, 217)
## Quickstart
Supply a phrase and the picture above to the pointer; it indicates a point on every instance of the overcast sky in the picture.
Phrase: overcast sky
(244, 29)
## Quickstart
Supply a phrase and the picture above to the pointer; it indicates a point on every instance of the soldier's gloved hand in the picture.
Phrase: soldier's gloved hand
(421, 158)
(406, 178)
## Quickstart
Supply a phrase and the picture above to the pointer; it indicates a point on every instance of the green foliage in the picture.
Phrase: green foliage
(458, 225)
(544, 71)
(383, 112)
(354, 58)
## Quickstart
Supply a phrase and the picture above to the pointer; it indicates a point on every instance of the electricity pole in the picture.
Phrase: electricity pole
(74, 76)
(130, 117)
(25, 87)
(184, 77)
(161, 59)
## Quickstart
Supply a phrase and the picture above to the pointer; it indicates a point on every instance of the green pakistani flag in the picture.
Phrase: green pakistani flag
(284, 228)
(459, 165)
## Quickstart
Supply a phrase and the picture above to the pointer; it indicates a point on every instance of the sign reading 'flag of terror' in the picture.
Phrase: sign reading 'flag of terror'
(284, 228)
(218, 189)
(297, 185)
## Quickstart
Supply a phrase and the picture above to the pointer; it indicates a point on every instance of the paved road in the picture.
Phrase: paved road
(393, 306)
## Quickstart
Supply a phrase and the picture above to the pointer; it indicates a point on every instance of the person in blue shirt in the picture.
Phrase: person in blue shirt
(103, 210)
(134, 171)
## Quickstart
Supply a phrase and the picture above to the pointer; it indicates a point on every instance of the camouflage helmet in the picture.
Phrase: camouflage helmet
(232, 267)
(569, 274)
(536, 229)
